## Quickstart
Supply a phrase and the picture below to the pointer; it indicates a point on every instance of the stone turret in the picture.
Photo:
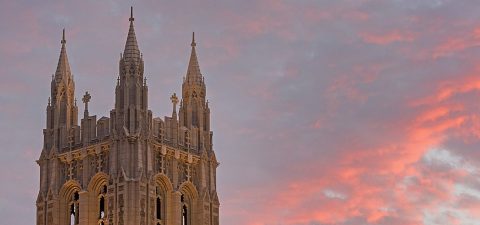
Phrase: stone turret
(131, 102)
(62, 113)
(194, 112)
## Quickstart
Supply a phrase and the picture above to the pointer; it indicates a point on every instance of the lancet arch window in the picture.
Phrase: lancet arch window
(102, 196)
(184, 211)
(195, 111)
(159, 206)
(74, 209)
(161, 133)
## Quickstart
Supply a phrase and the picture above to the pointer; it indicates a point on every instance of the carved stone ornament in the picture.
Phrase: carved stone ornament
(163, 150)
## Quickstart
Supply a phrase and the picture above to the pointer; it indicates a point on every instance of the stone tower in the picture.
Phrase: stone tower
(130, 168)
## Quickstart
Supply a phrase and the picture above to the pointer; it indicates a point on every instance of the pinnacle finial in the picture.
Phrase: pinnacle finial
(63, 37)
(193, 40)
(86, 98)
(174, 100)
(131, 14)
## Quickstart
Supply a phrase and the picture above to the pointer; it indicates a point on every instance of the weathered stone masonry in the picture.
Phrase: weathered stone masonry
(129, 169)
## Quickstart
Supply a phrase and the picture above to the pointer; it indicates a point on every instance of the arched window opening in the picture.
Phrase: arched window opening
(102, 207)
(101, 204)
(74, 209)
(184, 211)
(159, 208)
(195, 112)
(72, 214)
(184, 215)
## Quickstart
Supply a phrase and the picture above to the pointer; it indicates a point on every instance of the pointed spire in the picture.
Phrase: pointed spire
(131, 47)
(193, 71)
(63, 67)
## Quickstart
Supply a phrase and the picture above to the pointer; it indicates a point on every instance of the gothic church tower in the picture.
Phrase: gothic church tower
(130, 168)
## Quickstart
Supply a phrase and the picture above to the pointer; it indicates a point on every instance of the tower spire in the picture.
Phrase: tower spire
(131, 97)
(193, 72)
(63, 67)
(192, 111)
(131, 46)
(62, 113)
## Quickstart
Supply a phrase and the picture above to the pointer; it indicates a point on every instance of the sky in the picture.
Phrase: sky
(351, 112)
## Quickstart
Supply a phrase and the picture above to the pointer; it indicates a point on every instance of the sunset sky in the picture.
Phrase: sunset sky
(352, 112)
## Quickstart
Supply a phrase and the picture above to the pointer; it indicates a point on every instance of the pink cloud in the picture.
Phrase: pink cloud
(457, 43)
(387, 38)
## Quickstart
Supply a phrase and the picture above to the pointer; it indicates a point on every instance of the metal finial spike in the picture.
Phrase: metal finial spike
(131, 14)
(63, 37)
(193, 39)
